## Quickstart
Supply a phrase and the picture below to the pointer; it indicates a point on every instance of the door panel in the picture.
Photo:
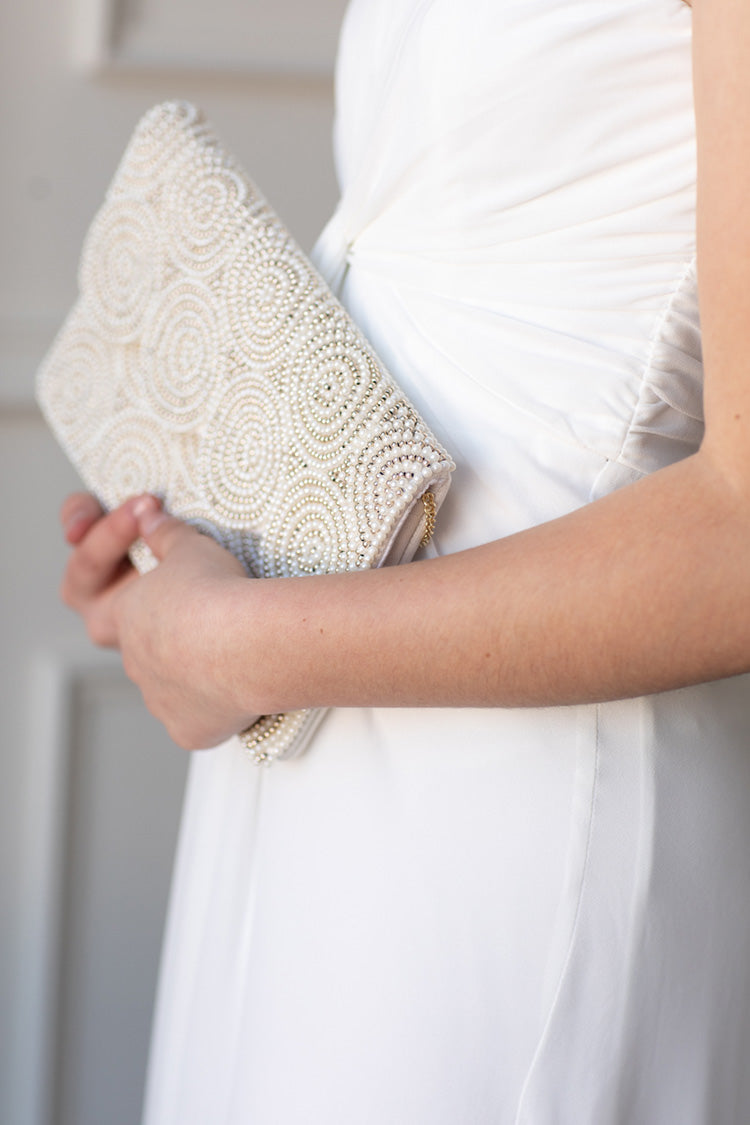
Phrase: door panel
(90, 787)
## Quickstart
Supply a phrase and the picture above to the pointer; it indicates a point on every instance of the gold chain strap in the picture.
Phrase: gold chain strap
(430, 514)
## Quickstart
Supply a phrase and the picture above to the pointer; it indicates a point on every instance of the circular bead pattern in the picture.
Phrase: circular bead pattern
(166, 135)
(121, 267)
(202, 210)
(241, 452)
(206, 361)
(335, 386)
(266, 292)
(397, 464)
(131, 456)
(308, 534)
(79, 387)
(180, 354)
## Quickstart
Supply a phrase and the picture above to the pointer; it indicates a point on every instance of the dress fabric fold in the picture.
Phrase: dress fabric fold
(497, 916)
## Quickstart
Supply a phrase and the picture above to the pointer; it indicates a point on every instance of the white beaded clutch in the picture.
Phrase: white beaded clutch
(207, 362)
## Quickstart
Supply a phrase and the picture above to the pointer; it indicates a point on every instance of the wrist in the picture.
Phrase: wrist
(245, 657)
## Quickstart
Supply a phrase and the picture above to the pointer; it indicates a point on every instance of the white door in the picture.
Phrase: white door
(90, 787)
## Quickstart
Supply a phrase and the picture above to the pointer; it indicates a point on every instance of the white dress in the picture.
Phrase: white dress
(515, 917)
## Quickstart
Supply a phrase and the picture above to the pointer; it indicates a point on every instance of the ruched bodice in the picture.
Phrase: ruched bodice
(529, 219)
(498, 916)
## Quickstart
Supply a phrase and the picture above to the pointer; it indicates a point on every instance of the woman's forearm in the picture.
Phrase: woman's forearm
(645, 590)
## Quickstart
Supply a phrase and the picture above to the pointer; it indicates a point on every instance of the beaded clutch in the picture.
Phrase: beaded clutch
(207, 362)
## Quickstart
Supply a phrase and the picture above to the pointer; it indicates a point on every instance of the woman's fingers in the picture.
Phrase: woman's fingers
(78, 513)
(99, 613)
(100, 554)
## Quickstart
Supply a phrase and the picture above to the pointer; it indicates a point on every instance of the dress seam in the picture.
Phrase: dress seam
(544, 1036)
(657, 335)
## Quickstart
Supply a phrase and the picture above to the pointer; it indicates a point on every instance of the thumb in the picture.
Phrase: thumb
(159, 531)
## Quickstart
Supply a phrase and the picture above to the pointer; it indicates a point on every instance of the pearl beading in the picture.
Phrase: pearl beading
(206, 361)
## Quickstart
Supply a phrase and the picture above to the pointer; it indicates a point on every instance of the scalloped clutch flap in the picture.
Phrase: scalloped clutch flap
(207, 361)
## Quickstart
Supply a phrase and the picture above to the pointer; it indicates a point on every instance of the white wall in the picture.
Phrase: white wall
(89, 785)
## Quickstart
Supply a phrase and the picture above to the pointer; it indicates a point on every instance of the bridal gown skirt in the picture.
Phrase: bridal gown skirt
(516, 917)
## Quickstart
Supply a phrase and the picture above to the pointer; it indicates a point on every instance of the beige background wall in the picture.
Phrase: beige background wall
(89, 786)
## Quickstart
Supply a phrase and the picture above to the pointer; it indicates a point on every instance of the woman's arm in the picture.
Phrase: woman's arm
(721, 79)
(644, 590)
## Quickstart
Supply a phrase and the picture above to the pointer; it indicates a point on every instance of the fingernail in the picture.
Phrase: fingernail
(78, 516)
(143, 505)
(149, 514)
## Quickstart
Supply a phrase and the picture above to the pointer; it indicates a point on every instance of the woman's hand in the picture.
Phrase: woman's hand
(167, 623)
(98, 567)
(618, 598)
